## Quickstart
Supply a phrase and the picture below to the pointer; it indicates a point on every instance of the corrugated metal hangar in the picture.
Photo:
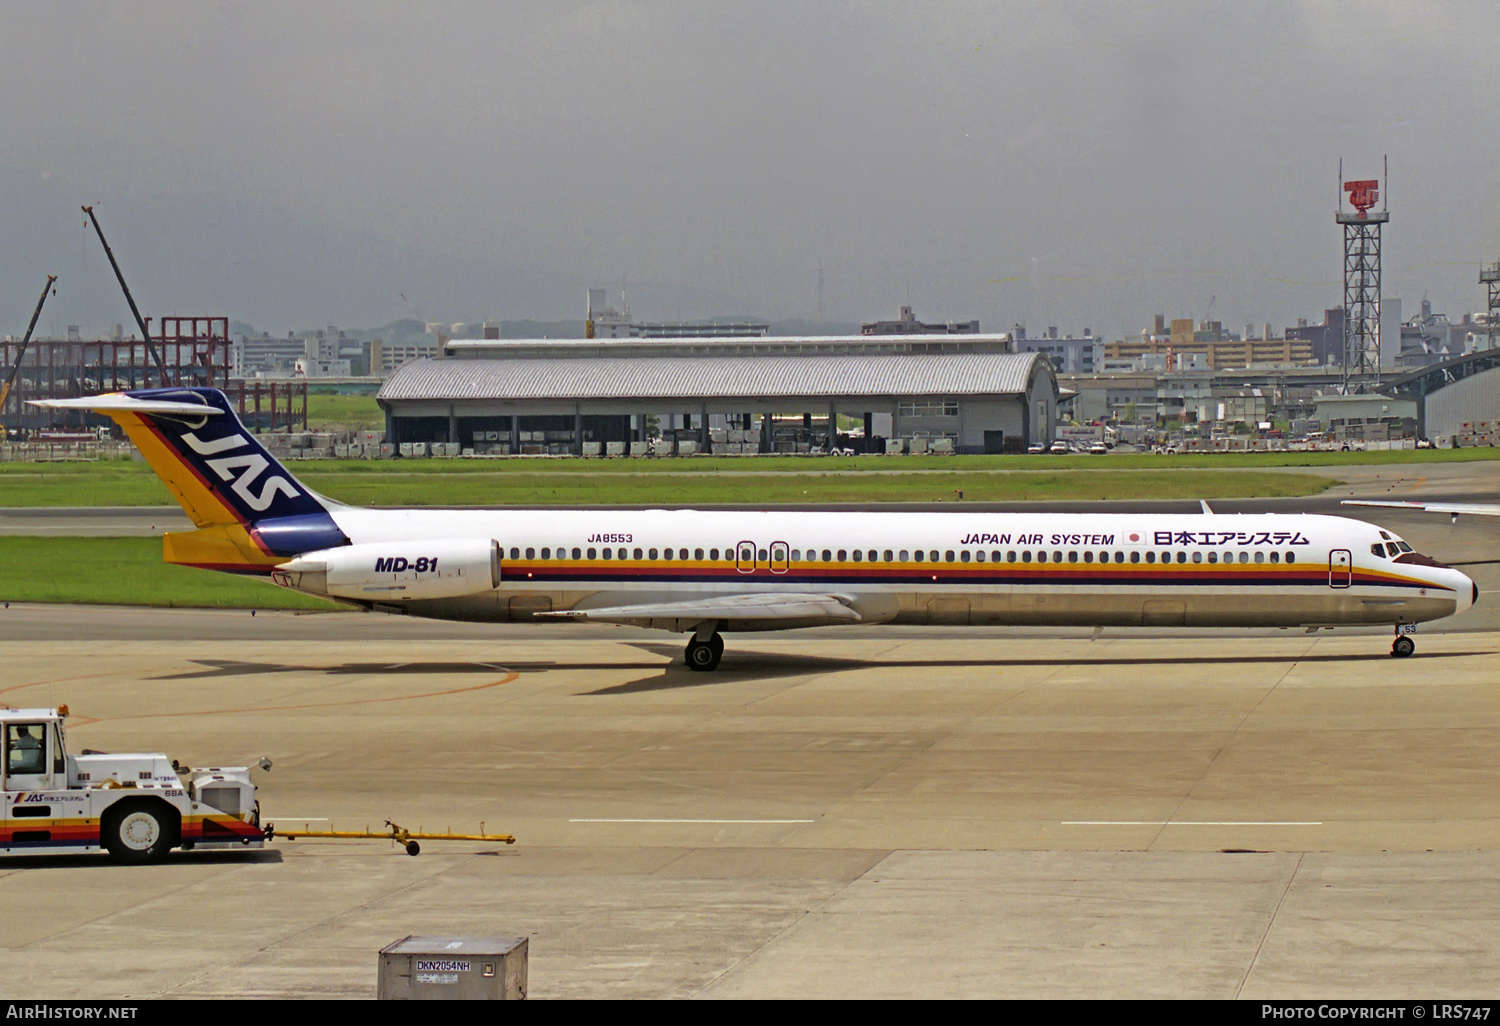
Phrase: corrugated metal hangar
(734, 395)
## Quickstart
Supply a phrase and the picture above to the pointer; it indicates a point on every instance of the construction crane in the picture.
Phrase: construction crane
(15, 369)
(150, 346)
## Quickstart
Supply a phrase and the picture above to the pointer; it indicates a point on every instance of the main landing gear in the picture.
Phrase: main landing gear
(1403, 646)
(705, 655)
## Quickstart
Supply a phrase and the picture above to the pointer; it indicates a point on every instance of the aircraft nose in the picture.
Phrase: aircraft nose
(1471, 592)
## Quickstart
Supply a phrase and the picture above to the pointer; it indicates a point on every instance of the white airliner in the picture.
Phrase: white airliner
(706, 573)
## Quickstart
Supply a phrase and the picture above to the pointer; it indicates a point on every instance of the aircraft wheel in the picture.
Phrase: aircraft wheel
(1403, 647)
(704, 655)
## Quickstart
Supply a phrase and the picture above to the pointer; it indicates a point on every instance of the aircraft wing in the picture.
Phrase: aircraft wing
(786, 607)
(1483, 509)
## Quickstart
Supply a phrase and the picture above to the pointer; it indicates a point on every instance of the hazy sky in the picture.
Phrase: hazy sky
(1080, 164)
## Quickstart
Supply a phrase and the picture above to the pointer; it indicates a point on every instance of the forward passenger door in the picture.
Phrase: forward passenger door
(1340, 568)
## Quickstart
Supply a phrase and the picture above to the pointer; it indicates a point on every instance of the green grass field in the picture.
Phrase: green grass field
(752, 482)
(128, 572)
(350, 412)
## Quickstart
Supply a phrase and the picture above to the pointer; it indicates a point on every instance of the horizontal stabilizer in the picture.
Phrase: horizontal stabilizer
(1483, 509)
(118, 402)
(828, 608)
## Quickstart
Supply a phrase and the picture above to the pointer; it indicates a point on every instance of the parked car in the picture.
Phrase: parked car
(1035, 448)
(1098, 449)
(1061, 448)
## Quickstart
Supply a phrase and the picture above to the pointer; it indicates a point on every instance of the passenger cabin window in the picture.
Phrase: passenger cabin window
(917, 556)
(950, 556)
(515, 553)
(578, 554)
(1275, 557)
(828, 555)
(1197, 556)
(1041, 557)
(1151, 557)
(697, 553)
(531, 553)
(964, 556)
(1291, 557)
(1135, 557)
(905, 556)
(592, 554)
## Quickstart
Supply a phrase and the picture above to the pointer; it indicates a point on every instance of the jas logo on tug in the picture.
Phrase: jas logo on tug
(252, 465)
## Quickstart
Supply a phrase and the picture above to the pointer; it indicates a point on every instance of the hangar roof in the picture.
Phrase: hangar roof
(665, 377)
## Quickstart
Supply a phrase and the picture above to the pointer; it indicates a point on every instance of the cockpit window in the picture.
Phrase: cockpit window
(1390, 548)
(1385, 536)
(1377, 550)
(1403, 546)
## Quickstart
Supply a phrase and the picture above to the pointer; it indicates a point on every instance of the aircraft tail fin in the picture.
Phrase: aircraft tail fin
(250, 511)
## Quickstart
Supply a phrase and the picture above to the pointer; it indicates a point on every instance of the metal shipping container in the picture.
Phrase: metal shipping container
(453, 969)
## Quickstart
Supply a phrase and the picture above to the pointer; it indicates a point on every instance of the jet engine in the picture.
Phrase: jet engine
(397, 571)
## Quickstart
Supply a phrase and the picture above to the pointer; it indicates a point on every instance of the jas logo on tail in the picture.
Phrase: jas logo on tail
(252, 465)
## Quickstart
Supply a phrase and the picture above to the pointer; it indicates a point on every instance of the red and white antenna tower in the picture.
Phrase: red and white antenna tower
(1361, 355)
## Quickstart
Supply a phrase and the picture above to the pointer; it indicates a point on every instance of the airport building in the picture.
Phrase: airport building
(888, 393)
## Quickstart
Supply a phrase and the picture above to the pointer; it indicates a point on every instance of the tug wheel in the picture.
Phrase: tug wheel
(138, 832)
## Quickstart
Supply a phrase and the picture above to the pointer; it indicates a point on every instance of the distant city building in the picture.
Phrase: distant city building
(1430, 338)
(907, 324)
(1068, 355)
(263, 356)
(1185, 352)
(385, 357)
(604, 321)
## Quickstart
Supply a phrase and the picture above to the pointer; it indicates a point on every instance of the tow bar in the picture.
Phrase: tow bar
(393, 832)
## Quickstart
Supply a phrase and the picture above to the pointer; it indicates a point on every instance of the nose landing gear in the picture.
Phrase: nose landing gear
(704, 655)
(1403, 646)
